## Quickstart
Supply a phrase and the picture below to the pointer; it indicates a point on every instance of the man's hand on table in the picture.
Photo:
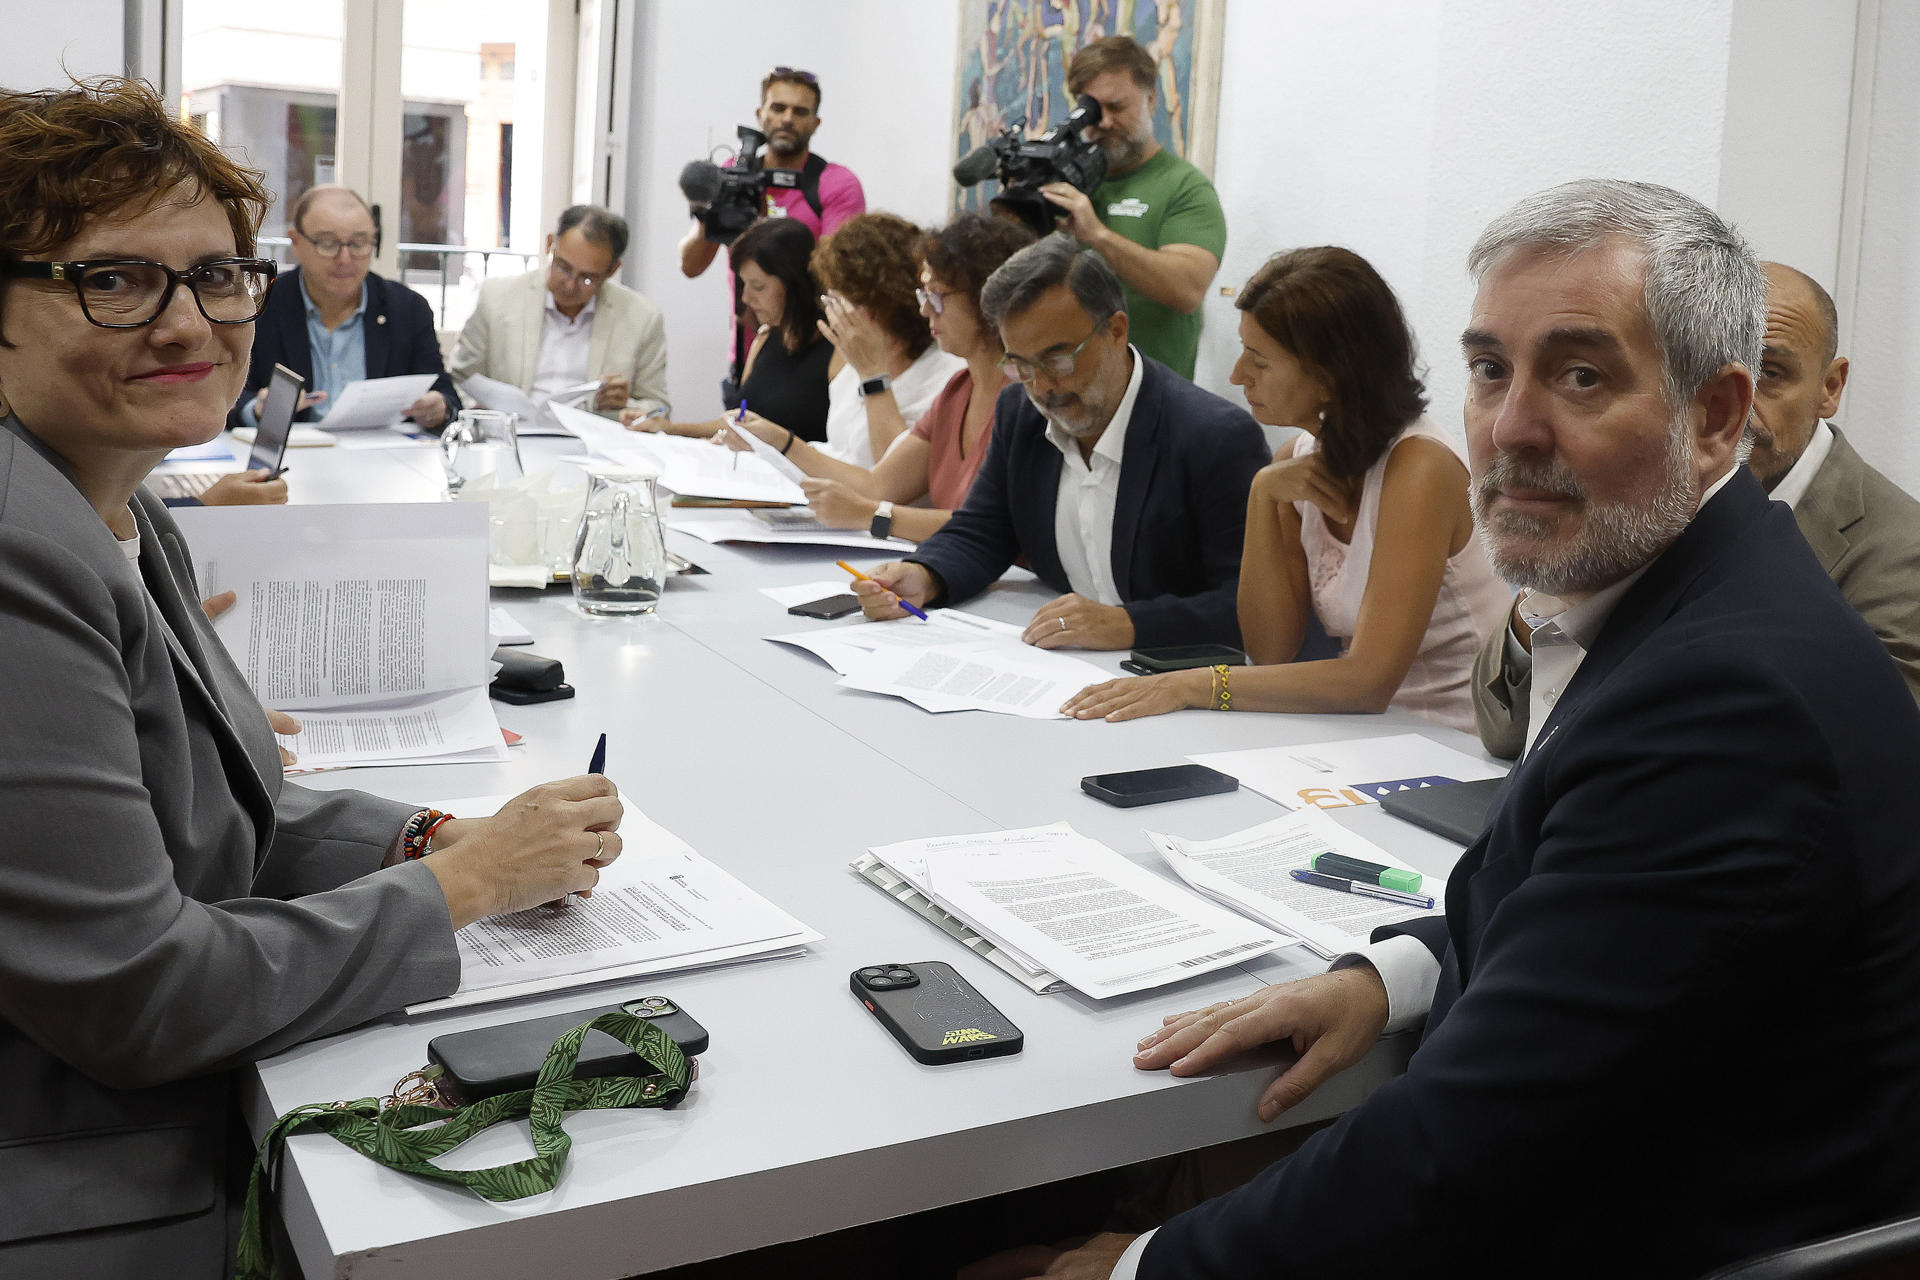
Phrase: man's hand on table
(1074, 622)
(1330, 1020)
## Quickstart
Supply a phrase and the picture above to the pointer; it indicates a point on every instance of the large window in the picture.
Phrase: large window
(464, 201)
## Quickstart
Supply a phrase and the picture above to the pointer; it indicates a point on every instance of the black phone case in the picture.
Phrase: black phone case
(527, 697)
(1155, 661)
(827, 608)
(503, 1058)
(942, 1019)
(1185, 791)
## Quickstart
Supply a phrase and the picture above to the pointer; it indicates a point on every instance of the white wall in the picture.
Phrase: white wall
(887, 78)
(1399, 129)
(45, 43)
(1884, 343)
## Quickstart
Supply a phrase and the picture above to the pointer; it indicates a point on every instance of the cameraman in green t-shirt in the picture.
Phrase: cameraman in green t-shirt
(1156, 219)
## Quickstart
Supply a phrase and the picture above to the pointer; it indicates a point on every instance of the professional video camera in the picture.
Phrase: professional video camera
(1023, 167)
(729, 200)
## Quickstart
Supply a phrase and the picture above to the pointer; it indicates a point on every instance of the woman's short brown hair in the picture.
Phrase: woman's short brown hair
(871, 261)
(962, 254)
(1331, 310)
(70, 155)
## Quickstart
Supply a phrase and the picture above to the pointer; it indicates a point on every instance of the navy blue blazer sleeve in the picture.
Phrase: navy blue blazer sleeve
(981, 541)
(412, 346)
(1214, 449)
(1675, 895)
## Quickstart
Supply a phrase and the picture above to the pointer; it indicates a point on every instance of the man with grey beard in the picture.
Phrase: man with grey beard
(1863, 528)
(1669, 1013)
(1122, 485)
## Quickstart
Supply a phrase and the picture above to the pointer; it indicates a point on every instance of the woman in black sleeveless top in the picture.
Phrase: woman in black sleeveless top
(786, 368)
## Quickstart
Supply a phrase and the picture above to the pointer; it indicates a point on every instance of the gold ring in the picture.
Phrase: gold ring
(1063, 623)
(600, 849)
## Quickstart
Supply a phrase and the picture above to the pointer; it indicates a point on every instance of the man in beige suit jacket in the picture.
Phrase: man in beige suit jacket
(570, 323)
(1864, 529)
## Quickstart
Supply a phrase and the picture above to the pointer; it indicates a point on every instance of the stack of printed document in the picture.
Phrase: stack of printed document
(692, 468)
(1339, 775)
(953, 661)
(367, 622)
(535, 418)
(658, 907)
(779, 526)
(1052, 906)
(1251, 871)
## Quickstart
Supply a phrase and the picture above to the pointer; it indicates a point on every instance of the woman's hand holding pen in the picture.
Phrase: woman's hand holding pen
(1330, 1020)
(882, 590)
(543, 844)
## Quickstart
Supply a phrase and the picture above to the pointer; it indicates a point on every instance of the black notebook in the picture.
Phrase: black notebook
(1457, 810)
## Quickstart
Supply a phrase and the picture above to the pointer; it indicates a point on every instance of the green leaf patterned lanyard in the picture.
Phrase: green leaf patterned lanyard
(393, 1136)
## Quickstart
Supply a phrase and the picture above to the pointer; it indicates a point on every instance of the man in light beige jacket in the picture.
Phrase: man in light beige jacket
(1864, 529)
(570, 323)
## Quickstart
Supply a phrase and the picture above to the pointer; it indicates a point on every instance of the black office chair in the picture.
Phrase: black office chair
(1890, 1251)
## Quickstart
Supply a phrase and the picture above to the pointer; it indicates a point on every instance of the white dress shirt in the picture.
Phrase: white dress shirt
(1793, 485)
(1407, 969)
(1089, 491)
(563, 349)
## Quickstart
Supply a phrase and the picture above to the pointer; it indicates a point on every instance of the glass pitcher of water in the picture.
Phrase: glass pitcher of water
(481, 443)
(619, 557)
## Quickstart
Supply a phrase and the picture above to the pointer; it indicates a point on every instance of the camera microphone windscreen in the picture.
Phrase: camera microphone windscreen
(700, 182)
(977, 165)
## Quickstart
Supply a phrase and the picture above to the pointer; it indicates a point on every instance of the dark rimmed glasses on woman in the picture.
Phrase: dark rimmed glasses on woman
(130, 293)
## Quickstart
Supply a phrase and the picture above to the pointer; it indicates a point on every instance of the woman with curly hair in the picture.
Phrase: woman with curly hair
(936, 460)
(1361, 519)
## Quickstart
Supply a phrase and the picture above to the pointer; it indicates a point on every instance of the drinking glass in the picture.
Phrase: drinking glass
(482, 442)
(619, 557)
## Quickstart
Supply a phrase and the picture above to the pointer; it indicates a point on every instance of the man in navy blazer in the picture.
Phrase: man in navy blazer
(1122, 484)
(1671, 1013)
(334, 322)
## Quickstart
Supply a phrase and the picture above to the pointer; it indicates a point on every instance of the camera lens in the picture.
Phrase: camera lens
(880, 980)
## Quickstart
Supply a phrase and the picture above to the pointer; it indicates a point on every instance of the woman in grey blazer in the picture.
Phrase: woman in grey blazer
(169, 907)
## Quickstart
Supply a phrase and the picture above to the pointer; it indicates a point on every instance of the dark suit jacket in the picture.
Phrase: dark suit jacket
(1864, 530)
(170, 907)
(400, 340)
(1677, 1021)
(1178, 525)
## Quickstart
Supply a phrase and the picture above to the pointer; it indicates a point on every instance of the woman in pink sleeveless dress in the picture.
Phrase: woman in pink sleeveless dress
(1362, 519)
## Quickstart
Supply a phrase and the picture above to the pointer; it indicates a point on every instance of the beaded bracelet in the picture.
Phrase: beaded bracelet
(1222, 693)
(416, 838)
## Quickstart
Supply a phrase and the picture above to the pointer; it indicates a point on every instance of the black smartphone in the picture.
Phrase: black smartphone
(503, 1058)
(934, 1013)
(1155, 786)
(1183, 657)
(828, 607)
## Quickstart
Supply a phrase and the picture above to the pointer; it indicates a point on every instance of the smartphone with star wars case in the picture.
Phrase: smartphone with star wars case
(934, 1013)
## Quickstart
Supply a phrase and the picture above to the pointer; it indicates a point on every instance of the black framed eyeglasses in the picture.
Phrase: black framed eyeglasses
(1055, 364)
(130, 293)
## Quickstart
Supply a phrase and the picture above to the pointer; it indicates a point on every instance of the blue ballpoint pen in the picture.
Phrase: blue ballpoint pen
(733, 463)
(599, 762)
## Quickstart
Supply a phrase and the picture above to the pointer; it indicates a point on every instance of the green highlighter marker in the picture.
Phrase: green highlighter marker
(1339, 864)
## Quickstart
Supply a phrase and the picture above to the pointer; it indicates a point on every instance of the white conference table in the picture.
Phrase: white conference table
(807, 1117)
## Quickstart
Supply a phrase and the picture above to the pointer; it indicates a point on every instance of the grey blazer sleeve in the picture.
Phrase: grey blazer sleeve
(132, 943)
(1500, 705)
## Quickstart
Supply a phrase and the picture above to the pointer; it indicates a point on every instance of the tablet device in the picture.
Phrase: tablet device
(1457, 810)
(276, 421)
